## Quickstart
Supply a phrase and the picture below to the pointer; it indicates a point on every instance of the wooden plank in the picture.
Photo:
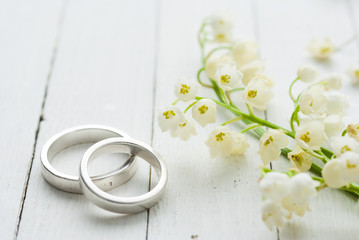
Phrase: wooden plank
(285, 28)
(103, 75)
(28, 32)
(206, 198)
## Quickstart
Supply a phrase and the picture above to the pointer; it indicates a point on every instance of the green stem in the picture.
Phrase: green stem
(250, 110)
(251, 127)
(236, 89)
(294, 117)
(290, 89)
(224, 96)
(344, 132)
(216, 49)
(232, 120)
(189, 106)
(199, 78)
(175, 102)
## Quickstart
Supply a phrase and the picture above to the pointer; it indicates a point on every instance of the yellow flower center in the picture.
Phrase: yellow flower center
(356, 73)
(268, 141)
(221, 37)
(184, 89)
(350, 165)
(169, 114)
(225, 78)
(219, 136)
(345, 148)
(183, 124)
(203, 109)
(252, 93)
(305, 137)
(325, 50)
(297, 158)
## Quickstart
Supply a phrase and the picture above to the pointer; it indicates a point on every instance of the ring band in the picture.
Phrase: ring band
(113, 203)
(78, 135)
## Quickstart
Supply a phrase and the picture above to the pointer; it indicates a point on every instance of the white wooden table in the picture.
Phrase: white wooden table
(65, 63)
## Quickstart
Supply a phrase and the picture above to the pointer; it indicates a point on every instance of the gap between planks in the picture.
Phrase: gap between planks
(41, 117)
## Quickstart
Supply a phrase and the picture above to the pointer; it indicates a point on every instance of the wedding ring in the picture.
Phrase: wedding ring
(113, 203)
(78, 135)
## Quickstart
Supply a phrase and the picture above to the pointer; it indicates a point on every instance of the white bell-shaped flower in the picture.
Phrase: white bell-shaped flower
(220, 142)
(332, 81)
(302, 188)
(221, 24)
(307, 73)
(204, 112)
(313, 101)
(245, 51)
(340, 145)
(299, 159)
(185, 130)
(274, 186)
(333, 174)
(293, 207)
(349, 162)
(214, 61)
(353, 130)
(310, 134)
(186, 89)
(273, 214)
(228, 77)
(250, 70)
(170, 117)
(270, 145)
(321, 49)
(258, 92)
(240, 143)
(334, 125)
(337, 103)
(353, 72)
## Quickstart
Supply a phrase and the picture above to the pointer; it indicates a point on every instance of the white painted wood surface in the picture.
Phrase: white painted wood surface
(65, 63)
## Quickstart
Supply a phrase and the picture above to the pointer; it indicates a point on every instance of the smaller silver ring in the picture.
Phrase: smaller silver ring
(78, 135)
(113, 203)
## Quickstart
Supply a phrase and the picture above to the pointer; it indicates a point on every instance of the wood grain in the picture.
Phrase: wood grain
(28, 32)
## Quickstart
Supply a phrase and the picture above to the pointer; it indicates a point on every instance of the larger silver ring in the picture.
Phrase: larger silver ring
(113, 203)
(78, 135)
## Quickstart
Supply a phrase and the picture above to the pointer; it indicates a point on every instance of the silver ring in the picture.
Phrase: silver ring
(113, 203)
(78, 135)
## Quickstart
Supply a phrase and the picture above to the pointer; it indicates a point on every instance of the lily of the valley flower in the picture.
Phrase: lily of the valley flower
(321, 49)
(186, 89)
(340, 145)
(307, 73)
(270, 145)
(273, 214)
(332, 81)
(337, 103)
(353, 130)
(244, 52)
(250, 70)
(214, 61)
(334, 125)
(312, 101)
(353, 72)
(221, 24)
(310, 134)
(299, 159)
(274, 186)
(342, 170)
(170, 117)
(258, 92)
(185, 129)
(223, 142)
(204, 112)
(228, 77)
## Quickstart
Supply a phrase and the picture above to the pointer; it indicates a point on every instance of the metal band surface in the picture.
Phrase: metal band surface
(113, 203)
(78, 135)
